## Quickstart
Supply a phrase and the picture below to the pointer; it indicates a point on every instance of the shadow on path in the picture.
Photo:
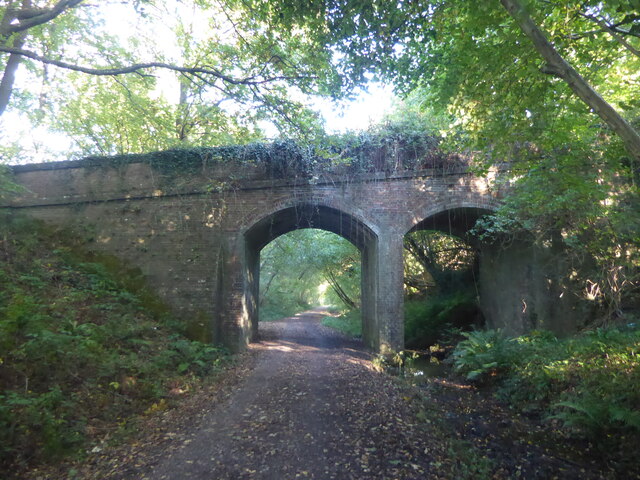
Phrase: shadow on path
(306, 403)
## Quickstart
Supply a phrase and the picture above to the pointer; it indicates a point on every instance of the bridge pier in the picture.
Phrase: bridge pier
(389, 299)
(524, 287)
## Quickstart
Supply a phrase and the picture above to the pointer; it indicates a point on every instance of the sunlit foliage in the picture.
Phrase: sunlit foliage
(307, 268)
(584, 382)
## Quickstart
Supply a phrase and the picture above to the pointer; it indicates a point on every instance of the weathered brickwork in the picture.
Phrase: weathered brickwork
(197, 236)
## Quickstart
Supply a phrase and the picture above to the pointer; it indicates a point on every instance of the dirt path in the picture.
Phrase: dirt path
(306, 403)
(311, 408)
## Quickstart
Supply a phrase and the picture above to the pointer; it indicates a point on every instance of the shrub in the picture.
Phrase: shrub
(425, 321)
(590, 382)
(273, 311)
(482, 353)
(78, 348)
(349, 323)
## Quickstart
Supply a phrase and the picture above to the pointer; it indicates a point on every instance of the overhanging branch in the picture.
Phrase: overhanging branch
(140, 67)
(614, 32)
(560, 67)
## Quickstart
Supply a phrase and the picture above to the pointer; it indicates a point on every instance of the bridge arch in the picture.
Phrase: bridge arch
(306, 214)
(312, 212)
(197, 245)
(381, 250)
(457, 218)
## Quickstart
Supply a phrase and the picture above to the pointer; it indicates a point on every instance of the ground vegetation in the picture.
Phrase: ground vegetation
(581, 386)
(84, 347)
(308, 268)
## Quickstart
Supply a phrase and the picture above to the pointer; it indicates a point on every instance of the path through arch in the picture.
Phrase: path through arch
(309, 215)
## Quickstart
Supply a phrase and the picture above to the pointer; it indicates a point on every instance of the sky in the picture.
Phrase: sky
(368, 107)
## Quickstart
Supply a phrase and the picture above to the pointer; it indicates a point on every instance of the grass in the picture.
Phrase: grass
(349, 323)
(427, 320)
(271, 312)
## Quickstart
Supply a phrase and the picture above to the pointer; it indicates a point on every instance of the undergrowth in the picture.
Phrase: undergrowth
(590, 383)
(348, 322)
(81, 349)
(273, 311)
(427, 320)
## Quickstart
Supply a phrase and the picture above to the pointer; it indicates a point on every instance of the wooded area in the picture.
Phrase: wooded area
(547, 90)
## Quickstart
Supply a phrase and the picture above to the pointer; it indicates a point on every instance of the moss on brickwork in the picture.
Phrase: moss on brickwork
(198, 327)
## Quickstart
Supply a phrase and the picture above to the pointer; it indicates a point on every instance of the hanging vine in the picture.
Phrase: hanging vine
(364, 152)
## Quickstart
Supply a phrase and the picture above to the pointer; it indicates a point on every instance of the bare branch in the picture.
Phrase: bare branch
(29, 18)
(607, 27)
(139, 67)
(614, 32)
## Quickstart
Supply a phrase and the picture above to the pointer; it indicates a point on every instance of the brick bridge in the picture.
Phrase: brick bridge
(196, 236)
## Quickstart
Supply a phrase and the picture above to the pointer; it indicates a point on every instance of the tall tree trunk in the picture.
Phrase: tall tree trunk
(423, 255)
(8, 77)
(183, 110)
(559, 67)
(9, 74)
(265, 291)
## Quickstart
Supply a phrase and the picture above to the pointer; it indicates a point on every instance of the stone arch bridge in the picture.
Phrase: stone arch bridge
(196, 234)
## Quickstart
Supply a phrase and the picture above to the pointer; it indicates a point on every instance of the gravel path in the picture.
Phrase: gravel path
(312, 408)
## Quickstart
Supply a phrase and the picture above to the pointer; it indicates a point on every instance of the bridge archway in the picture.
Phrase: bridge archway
(196, 245)
(448, 269)
(455, 216)
(353, 228)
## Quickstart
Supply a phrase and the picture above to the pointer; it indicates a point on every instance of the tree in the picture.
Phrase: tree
(110, 116)
(436, 263)
(272, 65)
(477, 64)
(558, 66)
(549, 88)
(17, 19)
(229, 66)
(305, 268)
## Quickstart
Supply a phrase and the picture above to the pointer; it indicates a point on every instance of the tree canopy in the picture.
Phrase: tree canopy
(499, 68)
(307, 268)
(501, 71)
(128, 77)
